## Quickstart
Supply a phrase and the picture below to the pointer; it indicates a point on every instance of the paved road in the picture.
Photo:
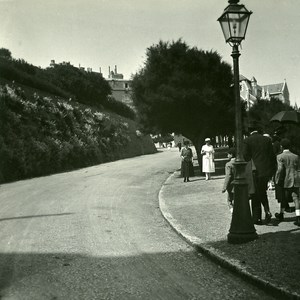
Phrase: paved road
(97, 233)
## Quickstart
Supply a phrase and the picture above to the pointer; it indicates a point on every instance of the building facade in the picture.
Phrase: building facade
(121, 88)
(250, 91)
(279, 91)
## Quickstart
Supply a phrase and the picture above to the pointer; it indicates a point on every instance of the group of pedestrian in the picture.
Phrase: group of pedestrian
(208, 165)
(266, 161)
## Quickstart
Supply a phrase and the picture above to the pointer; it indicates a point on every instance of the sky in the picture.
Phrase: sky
(102, 33)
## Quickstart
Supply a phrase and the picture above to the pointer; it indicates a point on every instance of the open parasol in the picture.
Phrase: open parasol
(287, 116)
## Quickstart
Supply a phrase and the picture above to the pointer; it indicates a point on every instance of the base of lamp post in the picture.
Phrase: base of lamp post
(242, 229)
(241, 238)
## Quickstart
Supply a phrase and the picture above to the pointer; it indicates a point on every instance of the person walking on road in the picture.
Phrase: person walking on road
(288, 177)
(186, 160)
(208, 165)
(258, 148)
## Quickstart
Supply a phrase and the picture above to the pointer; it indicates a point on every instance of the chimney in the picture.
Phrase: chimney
(108, 71)
(116, 69)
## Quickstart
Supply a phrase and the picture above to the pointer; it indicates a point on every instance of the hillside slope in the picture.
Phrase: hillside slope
(42, 134)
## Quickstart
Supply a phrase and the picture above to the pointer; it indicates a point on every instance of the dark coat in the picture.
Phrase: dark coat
(259, 148)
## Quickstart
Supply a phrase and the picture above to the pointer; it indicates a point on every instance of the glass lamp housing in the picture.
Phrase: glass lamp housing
(234, 23)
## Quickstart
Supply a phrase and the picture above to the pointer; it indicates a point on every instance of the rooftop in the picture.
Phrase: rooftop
(273, 88)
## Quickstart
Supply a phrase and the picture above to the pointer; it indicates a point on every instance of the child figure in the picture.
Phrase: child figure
(229, 177)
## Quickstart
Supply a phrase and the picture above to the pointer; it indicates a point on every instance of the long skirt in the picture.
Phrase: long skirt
(187, 169)
(208, 166)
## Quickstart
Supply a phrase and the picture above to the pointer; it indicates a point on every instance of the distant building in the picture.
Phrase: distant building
(52, 63)
(64, 63)
(279, 91)
(250, 91)
(121, 88)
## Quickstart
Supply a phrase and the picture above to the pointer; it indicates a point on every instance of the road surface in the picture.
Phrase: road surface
(97, 233)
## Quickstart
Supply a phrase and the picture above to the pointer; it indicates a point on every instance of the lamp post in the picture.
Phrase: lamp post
(234, 23)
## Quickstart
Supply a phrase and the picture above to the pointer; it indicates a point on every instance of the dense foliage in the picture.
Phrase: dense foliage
(87, 87)
(261, 113)
(5, 53)
(25, 74)
(263, 110)
(186, 90)
(41, 135)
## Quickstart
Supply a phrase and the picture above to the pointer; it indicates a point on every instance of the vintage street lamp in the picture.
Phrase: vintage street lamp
(234, 23)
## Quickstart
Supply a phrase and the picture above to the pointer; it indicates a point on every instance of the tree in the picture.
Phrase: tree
(184, 90)
(5, 53)
(263, 110)
(88, 87)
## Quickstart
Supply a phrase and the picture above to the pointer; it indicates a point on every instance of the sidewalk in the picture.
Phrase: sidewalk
(198, 211)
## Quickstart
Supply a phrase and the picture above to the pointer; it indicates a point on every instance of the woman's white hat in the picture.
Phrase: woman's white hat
(207, 140)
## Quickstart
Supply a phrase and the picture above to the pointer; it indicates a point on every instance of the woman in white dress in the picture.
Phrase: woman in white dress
(208, 165)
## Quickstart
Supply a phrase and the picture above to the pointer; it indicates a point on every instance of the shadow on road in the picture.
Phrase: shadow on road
(79, 276)
(147, 276)
(35, 216)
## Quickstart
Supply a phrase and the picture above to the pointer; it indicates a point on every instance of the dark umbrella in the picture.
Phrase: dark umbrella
(287, 116)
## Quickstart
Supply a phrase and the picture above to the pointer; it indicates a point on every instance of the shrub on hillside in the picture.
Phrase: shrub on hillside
(119, 108)
(12, 72)
(41, 135)
(24, 66)
(87, 87)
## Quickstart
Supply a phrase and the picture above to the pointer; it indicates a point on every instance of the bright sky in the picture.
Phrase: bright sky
(102, 33)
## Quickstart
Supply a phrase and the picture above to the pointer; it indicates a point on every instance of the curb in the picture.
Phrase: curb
(217, 256)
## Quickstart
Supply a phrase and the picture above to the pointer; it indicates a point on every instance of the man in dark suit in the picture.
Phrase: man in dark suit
(259, 149)
(288, 171)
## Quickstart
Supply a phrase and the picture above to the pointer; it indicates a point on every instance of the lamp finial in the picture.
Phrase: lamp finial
(233, 1)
